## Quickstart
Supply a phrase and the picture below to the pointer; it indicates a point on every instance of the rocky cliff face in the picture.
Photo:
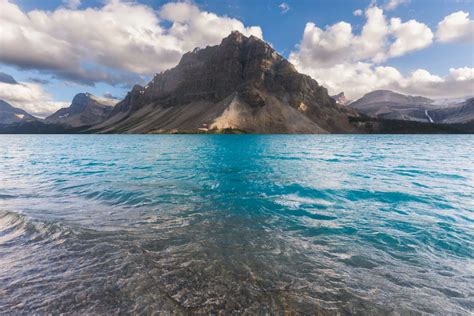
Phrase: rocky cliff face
(85, 110)
(341, 99)
(241, 84)
(10, 114)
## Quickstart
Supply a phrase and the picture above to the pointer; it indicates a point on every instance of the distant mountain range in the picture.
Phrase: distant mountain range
(243, 86)
(454, 114)
(386, 104)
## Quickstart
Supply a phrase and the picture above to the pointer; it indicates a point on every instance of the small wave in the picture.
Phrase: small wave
(17, 228)
(382, 196)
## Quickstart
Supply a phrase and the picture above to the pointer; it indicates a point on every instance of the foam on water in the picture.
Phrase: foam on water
(311, 224)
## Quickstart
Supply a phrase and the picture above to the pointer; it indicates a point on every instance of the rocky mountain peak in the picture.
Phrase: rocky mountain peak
(85, 109)
(81, 100)
(244, 69)
(239, 64)
(235, 37)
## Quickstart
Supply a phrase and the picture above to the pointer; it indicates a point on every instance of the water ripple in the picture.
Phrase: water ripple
(363, 225)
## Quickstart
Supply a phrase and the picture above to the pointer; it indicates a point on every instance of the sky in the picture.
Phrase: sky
(51, 50)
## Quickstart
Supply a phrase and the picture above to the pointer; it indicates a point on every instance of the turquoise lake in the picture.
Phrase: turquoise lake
(237, 223)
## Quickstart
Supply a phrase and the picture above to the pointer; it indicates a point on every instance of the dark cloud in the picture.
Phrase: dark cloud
(39, 81)
(89, 77)
(109, 95)
(6, 78)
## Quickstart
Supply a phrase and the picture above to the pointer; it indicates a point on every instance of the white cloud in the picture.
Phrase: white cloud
(357, 79)
(377, 41)
(456, 27)
(337, 43)
(30, 97)
(344, 61)
(373, 39)
(325, 47)
(462, 74)
(358, 12)
(194, 28)
(110, 43)
(421, 82)
(284, 7)
(393, 4)
(410, 36)
(423, 76)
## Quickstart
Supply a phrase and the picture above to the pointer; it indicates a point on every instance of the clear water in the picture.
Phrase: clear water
(254, 224)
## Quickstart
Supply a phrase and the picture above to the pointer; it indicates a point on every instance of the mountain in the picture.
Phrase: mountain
(243, 84)
(10, 114)
(390, 105)
(341, 99)
(85, 110)
(462, 112)
(387, 104)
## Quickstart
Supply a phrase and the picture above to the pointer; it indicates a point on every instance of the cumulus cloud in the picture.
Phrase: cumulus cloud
(456, 27)
(410, 36)
(337, 44)
(110, 43)
(357, 79)
(377, 41)
(393, 4)
(461, 74)
(344, 61)
(325, 47)
(421, 82)
(284, 7)
(373, 39)
(193, 28)
(358, 12)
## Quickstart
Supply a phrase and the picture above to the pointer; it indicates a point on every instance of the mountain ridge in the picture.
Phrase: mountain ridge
(386, 104)
(241, 84)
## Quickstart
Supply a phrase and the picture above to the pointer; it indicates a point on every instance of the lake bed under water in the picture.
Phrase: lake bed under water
(237, 223)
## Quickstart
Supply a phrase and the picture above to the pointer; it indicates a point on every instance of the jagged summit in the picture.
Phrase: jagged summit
(243, 83)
